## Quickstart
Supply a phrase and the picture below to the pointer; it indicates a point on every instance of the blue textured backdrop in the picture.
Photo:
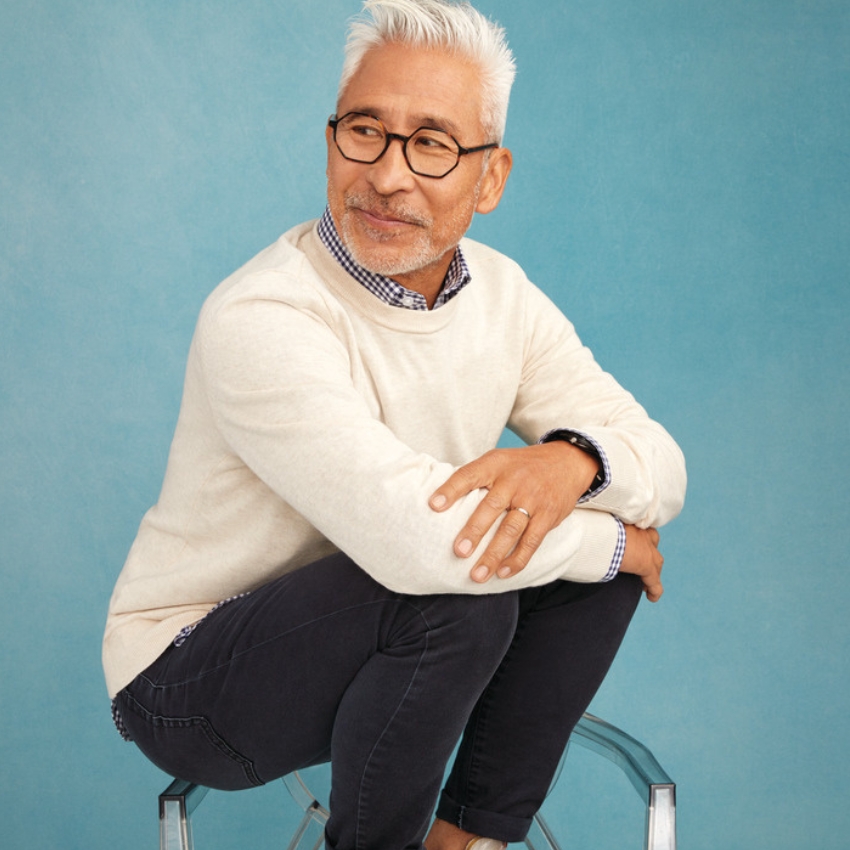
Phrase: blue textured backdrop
(682, 189)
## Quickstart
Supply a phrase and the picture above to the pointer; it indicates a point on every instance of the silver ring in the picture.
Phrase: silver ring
(523, 511)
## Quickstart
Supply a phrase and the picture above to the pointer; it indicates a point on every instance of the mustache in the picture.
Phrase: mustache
(372, 202)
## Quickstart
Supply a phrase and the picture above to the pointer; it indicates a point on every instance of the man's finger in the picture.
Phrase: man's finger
(458, 484)
(528, 544)
(654, 593)
(503, 543)
(489, 509)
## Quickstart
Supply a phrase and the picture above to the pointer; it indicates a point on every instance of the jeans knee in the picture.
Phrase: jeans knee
(497, 613)
(478, 627)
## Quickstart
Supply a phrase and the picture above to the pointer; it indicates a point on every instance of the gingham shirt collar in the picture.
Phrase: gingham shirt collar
(384, 288)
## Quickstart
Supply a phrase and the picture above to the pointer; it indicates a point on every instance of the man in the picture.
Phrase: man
(340, 567)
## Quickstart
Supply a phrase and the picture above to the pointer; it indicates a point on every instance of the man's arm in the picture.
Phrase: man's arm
(644, 475)
(546, 477)
(279, 387)
(545, 481)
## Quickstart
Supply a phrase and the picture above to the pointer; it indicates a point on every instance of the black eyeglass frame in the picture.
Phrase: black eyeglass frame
(333, 123)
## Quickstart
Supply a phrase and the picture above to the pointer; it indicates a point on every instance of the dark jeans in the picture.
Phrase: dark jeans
(325, 664)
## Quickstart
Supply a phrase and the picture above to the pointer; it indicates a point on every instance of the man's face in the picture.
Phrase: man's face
(393, 221)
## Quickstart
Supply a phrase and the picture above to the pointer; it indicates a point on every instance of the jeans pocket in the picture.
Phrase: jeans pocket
(187, 748)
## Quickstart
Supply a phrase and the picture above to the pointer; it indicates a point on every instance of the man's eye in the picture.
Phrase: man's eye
(368, 131)
(433, 144)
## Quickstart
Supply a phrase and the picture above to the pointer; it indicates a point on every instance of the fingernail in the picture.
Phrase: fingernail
(438, 501)
(481, 573)
(464, 547)
(504, 572)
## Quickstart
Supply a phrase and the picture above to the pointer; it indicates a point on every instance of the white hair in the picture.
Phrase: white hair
(454, 27)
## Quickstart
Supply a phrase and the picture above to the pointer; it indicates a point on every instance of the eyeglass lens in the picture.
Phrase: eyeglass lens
(362, 138)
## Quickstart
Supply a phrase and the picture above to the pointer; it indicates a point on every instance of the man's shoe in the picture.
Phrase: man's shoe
(486, 844)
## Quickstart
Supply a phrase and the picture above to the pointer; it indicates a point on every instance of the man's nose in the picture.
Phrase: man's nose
(391, 173)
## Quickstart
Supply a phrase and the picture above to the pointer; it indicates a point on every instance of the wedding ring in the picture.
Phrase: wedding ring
(523, 511)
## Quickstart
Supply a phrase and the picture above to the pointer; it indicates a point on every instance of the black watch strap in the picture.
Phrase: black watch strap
(581, 442)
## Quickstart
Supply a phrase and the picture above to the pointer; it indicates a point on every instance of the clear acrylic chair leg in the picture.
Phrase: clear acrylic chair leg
(310, 834)
(540, 837)
(661, 818)
(176, 805)
(648, 778)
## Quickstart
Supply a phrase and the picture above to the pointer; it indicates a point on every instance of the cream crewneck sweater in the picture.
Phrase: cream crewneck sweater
(317, 418)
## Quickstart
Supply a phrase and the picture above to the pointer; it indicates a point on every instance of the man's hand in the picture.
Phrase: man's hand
(643, 559)
(544, 481)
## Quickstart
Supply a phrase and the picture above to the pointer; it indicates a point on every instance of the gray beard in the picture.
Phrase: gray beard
(422, 254)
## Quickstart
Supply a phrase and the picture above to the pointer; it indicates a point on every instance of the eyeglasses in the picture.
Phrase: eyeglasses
(428, 152)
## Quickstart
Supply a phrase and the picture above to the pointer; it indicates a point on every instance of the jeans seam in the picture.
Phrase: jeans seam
(480, 721)
(210, 671)
(368, 762)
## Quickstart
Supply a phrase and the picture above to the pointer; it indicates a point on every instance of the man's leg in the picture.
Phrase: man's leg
(566, 638)
(326, 664)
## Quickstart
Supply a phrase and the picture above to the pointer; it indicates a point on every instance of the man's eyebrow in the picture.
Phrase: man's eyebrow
(436, 122)
(425, 119)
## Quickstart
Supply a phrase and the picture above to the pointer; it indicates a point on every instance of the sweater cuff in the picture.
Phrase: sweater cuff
(601, 550)
(624, 486)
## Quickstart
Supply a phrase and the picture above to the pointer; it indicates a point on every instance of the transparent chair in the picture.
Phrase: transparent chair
(653, 785)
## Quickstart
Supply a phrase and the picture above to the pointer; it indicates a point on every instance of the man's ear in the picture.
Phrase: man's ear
(329, 139)
(494, 180)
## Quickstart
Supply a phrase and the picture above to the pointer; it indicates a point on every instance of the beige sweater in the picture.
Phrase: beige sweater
(315, 419)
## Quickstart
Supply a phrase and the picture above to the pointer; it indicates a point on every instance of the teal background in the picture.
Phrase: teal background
(681, 189)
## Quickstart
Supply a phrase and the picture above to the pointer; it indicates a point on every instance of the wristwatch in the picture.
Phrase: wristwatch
(581, 442)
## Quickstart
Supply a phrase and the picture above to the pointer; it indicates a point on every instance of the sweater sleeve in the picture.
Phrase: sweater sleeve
(564, 387)
(278, 382)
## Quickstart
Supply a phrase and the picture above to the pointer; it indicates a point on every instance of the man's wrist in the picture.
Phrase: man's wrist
(590, 448)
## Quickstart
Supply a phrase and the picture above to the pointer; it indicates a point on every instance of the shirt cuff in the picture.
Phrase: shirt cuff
(617, 560)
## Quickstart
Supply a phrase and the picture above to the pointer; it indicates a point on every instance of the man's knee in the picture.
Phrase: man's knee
(480, 628)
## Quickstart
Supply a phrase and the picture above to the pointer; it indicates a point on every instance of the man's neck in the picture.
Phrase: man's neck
(428, 281)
